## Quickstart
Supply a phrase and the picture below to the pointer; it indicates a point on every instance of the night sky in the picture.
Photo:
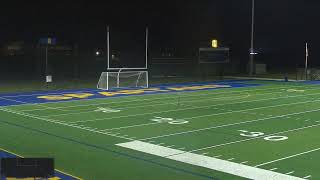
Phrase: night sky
(282, 26)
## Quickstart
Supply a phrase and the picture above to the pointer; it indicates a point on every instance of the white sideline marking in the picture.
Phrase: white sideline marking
(207, 162)
(273, 169)
(288, 157)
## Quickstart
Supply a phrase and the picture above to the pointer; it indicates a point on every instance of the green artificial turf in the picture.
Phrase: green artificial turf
(83, 139)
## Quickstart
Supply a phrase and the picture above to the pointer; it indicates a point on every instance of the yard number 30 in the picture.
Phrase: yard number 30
(258, 134)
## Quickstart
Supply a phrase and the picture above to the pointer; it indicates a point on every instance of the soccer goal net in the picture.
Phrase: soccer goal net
(125, 79)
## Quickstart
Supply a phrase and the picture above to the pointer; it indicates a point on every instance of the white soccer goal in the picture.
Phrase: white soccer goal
(125, 79)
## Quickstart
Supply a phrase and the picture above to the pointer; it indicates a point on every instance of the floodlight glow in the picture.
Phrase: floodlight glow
(97, 53)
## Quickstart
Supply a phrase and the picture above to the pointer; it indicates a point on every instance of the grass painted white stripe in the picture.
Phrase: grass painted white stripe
(199, 107)
(148, 105)
(146, 99)
(207, 162)
(59, 123)
(288, 157)
(233, 90)
(291, 172)
(232, 124)
(307, 177)
(254, 138)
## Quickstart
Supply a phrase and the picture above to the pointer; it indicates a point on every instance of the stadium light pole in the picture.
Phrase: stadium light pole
(252, 53)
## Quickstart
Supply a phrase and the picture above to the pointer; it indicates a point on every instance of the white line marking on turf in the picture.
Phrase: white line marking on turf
(227, 125)
(24, 103)
(63, 124)
(64, 107)
(146, 105)
(272, 169)
(217, 156)
(259, 88)
(244, 162)
(254, 138)
(207, 162)
(288, 157)
(208, 115)
(307, 177)
(171, 93)
(291, 172)
(126, 127)
(230, 159)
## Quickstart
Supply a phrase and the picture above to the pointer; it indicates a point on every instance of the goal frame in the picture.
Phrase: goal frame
(118, 78)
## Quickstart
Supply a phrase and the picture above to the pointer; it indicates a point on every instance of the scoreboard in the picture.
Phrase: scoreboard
(214, 55)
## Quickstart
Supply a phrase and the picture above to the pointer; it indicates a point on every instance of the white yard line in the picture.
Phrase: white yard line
(207, 162)
(193, 108)
(170, 93)
(149, 105)
(126, 127)
(249, 139)
(231, 124)
(24, 103)
(63, 124)
(288, 157)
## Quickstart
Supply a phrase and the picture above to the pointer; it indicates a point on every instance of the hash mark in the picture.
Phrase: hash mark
(309, 176)
(273, 169)
(290, 172)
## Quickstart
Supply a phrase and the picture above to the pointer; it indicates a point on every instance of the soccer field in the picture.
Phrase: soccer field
(266, 130)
